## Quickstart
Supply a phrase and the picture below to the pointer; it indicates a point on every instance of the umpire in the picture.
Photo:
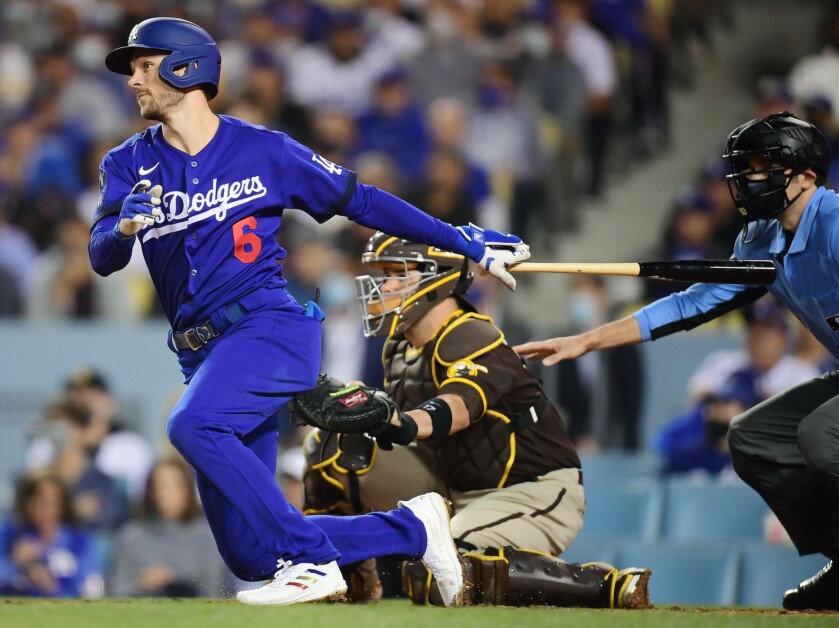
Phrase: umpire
(476, 426)
(787, 447)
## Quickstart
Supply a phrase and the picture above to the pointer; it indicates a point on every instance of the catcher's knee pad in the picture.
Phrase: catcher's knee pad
(334, 463)
(519, 577)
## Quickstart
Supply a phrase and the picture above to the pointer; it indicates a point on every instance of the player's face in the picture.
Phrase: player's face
(759, 167)
(397, 280)
(157, 99)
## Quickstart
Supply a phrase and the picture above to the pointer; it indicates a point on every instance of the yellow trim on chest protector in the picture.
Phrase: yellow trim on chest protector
(448, 328)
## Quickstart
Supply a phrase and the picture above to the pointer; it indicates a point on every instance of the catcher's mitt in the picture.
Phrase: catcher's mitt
(333, 406)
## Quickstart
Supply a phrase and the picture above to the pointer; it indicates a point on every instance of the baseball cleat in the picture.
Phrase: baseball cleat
(441, 556)
(297, 583)
(819, 593)
(631, 589)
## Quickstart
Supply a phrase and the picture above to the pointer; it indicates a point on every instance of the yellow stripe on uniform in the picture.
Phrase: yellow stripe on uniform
(512, 457)
(454, 326)
(468, 382)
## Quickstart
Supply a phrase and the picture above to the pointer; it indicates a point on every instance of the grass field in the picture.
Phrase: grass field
(388, 614)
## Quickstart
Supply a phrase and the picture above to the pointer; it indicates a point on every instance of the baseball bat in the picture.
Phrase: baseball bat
(755, 272)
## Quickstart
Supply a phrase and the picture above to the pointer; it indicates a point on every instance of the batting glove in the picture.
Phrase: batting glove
(495, 251)
(140, 208)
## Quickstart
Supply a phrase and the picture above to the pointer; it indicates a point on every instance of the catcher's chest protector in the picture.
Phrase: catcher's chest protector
(468, 354)
(478, 457)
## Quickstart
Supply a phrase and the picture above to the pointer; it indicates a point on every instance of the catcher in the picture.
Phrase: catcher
(472, 423)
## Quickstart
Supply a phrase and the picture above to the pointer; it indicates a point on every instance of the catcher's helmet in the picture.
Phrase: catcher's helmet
(425, 275)
(786, 143)
(189, 46)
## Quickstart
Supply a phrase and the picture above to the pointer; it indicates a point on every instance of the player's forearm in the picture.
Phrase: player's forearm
(377, 209)
(624, 331)
(695, 306)
(108, 250)
(460, 416)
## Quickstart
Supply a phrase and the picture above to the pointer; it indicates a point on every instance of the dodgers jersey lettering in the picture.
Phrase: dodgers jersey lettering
(222, 210)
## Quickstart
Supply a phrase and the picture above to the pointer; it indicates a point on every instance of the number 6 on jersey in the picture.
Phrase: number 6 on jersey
(246, 244)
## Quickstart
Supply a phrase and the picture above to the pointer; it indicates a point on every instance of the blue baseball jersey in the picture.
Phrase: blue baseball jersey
(222, 211)
(807, 279)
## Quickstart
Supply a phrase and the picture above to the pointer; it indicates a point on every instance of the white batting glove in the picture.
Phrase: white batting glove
(495, 251)
(140, 208)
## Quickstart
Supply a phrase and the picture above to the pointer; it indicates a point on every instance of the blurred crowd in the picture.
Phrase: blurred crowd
(98, 511)
(502, 112)
(508, 113)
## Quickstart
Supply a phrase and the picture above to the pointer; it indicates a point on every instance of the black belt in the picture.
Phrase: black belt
(198, 336)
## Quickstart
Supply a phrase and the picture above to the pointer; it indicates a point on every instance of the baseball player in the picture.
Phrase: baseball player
(475, 425)
(787, 447)
(205, 195)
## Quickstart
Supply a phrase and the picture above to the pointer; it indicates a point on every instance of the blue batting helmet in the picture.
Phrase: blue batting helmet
(190, 47)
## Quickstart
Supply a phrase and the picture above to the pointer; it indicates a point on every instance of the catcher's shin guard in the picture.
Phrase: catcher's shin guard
(516, 577)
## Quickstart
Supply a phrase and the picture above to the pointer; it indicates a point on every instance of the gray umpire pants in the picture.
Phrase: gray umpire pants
(787, 449)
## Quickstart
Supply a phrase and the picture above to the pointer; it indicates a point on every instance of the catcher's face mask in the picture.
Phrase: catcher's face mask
(385, 295)
(406, 280)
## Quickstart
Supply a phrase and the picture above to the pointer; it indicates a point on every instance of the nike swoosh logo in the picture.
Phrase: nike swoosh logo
(143, 172)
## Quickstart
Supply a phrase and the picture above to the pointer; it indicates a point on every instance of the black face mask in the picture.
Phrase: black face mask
(765, 199)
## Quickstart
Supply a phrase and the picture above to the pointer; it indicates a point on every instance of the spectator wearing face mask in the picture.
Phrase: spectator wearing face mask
(117, 450)
(766, 352)
(695, 441)
(600, 394)
(98, 500)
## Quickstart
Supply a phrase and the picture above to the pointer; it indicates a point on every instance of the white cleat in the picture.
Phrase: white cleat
(441, 556)
(297, 583)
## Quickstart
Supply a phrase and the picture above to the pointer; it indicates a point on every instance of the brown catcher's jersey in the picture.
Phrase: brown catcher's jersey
(504, 445)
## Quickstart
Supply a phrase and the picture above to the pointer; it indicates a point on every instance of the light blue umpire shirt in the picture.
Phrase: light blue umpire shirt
(807, 279)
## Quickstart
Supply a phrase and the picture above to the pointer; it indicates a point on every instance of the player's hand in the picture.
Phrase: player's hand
(140, 208)
(495, 251)
(26, 551)
(554, 350)
(41, 579)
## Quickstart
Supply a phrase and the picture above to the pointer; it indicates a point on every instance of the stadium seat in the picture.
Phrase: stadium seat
(711, 511)
(103, 550)
(686, 574)
(591, 551)
(767, 571)
(629, 510)
(607, 467)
